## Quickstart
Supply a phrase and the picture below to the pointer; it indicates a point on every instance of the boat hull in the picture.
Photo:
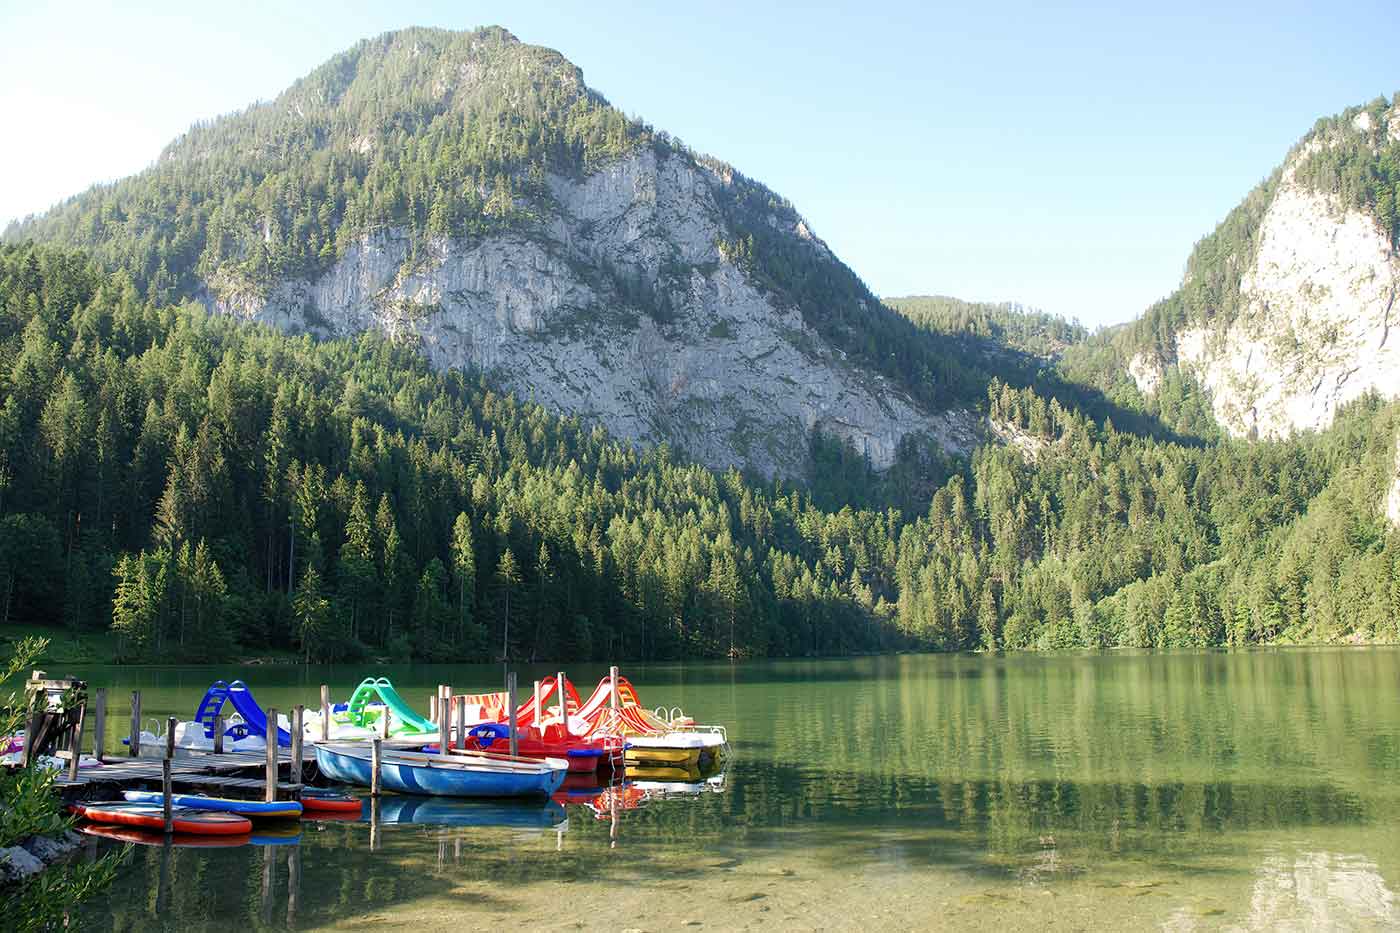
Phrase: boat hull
(445, 780)
(317, 801)
(675, 749)
(145, 816)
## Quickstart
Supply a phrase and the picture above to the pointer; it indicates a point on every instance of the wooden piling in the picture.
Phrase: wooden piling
(75, 745)
(270, 780)
(539, 708)
(612, 693)
(298, 724)
(170, 724)
(384, 724)
(133, 745)
(31, 731)
(461, 705)
(165, 792)
(444, 720)
(99, 724)
(325, 713)
(219, 734)
(563, 707)
(510, 704)
(376, 760)
(433, 705)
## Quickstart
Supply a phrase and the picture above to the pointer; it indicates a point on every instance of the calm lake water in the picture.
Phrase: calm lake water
(1254, 790)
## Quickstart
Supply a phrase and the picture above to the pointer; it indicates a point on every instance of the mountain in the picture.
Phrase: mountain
(1286, 310)
(469, 194)
(501, 267)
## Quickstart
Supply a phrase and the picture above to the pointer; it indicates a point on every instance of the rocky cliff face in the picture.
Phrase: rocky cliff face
(620, 307)
(1317, 302)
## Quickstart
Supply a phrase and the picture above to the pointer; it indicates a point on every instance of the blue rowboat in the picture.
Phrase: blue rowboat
(442, 775)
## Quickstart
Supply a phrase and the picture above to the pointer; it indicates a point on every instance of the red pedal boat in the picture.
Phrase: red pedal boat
(583, 753)
(543, 730)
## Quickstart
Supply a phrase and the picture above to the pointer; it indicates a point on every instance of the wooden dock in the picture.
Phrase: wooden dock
(230, 774)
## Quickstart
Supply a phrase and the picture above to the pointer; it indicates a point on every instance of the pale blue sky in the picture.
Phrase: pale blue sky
(1061, 155)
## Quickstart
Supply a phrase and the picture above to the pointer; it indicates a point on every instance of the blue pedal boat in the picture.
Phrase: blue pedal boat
(436, 775)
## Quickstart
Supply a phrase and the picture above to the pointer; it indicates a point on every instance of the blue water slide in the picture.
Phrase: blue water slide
(238, 694)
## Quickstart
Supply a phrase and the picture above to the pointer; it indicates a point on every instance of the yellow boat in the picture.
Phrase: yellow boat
(689, 757)
(658, 773)
(689, 749)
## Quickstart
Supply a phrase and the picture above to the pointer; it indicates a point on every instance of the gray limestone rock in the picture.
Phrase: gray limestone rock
(618, 307)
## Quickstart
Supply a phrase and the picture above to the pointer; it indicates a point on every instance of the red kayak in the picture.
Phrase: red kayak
(322, 801)
(146, 837)
(151, 816)
(583, 753)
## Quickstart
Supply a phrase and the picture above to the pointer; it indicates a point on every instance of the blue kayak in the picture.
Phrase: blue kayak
(442, 775)
(255, 809)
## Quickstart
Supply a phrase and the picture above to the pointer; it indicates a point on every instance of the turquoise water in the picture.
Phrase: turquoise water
(1111, 791)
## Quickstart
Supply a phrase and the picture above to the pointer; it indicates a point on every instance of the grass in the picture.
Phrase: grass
(66, 646)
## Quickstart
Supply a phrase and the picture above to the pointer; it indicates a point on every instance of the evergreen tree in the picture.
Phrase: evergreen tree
(507, 579)
(464, 572)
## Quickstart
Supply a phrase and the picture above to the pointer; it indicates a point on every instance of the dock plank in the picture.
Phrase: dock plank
(192, 769)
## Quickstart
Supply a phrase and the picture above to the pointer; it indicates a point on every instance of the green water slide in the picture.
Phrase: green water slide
(403, 721)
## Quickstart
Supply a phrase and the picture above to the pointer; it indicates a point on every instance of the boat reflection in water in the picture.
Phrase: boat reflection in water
(444, 811)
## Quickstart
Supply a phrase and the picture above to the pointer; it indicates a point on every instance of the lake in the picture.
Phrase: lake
(1254, 790)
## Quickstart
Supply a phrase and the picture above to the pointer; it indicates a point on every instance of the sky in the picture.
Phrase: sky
(1061, 155)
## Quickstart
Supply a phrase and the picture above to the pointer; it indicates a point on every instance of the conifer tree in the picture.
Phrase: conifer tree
(507, 578)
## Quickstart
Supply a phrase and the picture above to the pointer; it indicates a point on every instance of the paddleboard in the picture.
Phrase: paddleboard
(253, 809)
(145, 816)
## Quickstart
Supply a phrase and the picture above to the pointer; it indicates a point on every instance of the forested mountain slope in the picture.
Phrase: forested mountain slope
(469, 194)
(204, 486)
(1285, 311)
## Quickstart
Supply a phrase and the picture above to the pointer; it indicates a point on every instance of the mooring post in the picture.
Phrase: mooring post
(376, 759)
(31, 731)
(612, 693)
(133, 744)
(563, 707)
(219, 734)
(325, 713)
(298, 715)
(433, 705)
(461, 722)
(76, 744)
(170, 736)
(384, 724)
(33, 712)
(539, 707)
(165, 794)
(445, 720)
(270, 780)
(99, 725)
(510, 702)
